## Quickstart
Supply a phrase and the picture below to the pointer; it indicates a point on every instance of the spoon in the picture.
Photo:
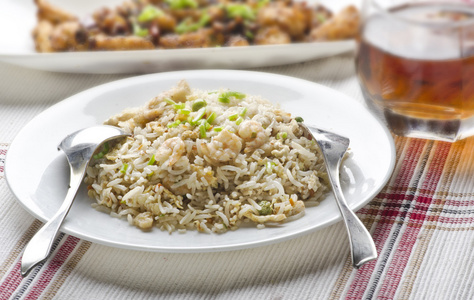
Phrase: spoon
(79, 148)
(334, 147)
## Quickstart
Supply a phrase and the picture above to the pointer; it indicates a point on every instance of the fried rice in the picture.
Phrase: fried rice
(207, 160)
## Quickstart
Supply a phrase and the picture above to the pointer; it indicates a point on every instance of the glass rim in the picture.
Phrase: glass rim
(428, 24)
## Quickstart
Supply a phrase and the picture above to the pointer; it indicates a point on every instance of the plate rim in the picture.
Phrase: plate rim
(235, 246)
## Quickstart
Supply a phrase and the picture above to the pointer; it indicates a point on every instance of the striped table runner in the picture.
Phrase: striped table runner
(422, 223)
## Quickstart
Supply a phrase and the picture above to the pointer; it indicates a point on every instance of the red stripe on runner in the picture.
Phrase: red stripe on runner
(395, 199)
(11, 282)
(419, 214)
(54, 265)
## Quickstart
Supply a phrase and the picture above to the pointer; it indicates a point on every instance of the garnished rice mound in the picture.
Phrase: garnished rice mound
(207, 160)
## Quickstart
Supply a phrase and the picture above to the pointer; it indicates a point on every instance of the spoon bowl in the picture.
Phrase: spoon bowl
(79, 148)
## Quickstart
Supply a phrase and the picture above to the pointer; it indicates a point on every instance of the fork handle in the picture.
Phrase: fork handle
(39, 247)
(361, 243)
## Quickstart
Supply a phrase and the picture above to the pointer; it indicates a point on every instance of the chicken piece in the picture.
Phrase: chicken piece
(68, 36)
(41, 35)
(103, 42)
(236, 41)
(198, 39)
(111, 22)
(343, 25)
(53, 14)
(294, 20)
(272, 36)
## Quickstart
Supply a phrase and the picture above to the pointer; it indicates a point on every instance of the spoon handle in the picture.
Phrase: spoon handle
(39, 247)
(361, 243)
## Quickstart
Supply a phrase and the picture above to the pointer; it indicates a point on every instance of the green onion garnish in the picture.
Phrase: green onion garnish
(198, 104)
(200, 114)
(169, 101)
(266, 208)
(174, 124)
(179, 106)
(299, 119)
(254, 135)
(180, 4)
(187, 24)
(202, 130)
(150, 13)
(240, 10)
(124, 168)
(105, 149)
(282, 135)
(239, 120)
(217, 129)
(269, 166)
(152, 160)
(211, 118)
(243, 112)
(139, 31)
(233, 117)
(184, 111)
(225, 97)
(321, 18)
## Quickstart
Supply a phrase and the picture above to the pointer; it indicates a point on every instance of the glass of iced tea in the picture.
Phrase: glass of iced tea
(415, 64)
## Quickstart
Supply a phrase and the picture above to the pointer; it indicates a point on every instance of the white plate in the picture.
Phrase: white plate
(37, 172)
(18, 18)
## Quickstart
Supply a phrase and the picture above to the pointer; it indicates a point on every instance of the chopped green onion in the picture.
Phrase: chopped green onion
(150, 13)
(269, 166)
(188, 26)
(217, 129)
(184, 111)
(299, 119)
(204, 123)
(180, 4)
(249, 34)
(321, 18)
(233, 117)
(211, 118)
(124, 168)
(282, 135)
(105, 149)
(139, 31)
(179, 106)
(152, 160)
(200, 114)
(202, 131)
(174, 124)
(262, 3)
(239, 120)
(225, 97)
(198, 104)
(266, 208)
(240, 10)
(254, 135)
(169, 101)
(151, 174)
(243, 112)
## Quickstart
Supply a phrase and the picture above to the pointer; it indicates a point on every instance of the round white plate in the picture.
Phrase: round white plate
(37, 172)
(17, 46)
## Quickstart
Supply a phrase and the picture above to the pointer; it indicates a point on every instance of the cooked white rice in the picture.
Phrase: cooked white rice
(251, 163)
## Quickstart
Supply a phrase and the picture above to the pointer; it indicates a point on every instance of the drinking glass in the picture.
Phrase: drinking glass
(415, 65)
